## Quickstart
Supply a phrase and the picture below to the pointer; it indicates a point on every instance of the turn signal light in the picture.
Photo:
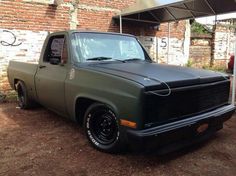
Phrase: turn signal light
(128, 123)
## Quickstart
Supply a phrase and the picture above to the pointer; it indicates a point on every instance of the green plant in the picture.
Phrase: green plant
(189, 63)
(218, 68)
(199, 28)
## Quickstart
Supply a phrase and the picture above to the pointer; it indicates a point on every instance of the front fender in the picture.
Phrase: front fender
(123, 96)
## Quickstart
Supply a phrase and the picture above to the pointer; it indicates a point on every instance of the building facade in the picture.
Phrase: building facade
(214, 48)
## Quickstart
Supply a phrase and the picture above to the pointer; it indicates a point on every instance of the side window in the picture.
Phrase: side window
(54, 49)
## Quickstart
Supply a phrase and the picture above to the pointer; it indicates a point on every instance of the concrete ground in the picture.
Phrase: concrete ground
(39, 142)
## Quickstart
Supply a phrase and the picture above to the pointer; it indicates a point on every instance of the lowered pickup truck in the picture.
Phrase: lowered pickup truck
(108, 83)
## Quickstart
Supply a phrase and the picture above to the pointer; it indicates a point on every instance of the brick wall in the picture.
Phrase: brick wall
(24, 24)
(16, 14)
(219, 48)
(200, 50)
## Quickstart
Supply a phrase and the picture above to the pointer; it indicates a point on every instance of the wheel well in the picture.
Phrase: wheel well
(15, 82)
(81, 106)
(18, 88)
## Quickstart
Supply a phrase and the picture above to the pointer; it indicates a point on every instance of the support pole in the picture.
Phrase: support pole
(234, 77)
(120, 24)
(168, 47)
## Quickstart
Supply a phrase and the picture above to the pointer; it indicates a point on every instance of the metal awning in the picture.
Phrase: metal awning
(158, 11)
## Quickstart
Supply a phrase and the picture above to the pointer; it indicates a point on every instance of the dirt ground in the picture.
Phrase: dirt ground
(39, 142)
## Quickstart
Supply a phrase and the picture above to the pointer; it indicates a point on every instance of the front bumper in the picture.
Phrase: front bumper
(173, 136)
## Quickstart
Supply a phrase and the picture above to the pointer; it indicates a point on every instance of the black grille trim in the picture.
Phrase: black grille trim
(184, 102)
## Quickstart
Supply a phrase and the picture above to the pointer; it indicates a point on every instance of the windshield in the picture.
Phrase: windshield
(88, 47)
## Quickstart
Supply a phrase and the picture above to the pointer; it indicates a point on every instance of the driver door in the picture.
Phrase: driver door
(51, 75)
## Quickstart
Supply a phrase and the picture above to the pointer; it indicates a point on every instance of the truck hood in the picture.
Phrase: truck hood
(152, 74)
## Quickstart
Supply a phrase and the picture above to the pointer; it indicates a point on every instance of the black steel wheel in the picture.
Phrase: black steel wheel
(102, 128)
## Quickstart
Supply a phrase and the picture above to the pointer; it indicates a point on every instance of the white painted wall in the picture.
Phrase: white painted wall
(224, 44)
(21, 45)
(157, 47)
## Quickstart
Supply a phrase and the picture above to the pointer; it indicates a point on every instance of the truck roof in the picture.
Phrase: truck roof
(91, 31)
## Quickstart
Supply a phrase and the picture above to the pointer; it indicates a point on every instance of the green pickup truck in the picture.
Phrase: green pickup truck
(108, 83)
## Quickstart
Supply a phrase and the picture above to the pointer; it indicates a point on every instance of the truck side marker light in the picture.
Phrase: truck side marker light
(128, 123)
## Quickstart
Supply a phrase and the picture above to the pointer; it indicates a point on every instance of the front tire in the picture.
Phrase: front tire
(102, 129)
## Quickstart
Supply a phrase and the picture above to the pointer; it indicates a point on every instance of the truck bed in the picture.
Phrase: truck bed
(25, 72)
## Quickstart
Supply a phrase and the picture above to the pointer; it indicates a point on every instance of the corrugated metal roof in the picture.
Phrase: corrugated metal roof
(159, 11)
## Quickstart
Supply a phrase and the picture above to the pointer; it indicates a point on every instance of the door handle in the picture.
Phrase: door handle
(42, 66)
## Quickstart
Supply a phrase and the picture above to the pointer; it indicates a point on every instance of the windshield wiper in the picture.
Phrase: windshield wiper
(101, 58)
(133, 59)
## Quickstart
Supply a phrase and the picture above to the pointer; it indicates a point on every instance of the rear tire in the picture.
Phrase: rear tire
(102, 129)
(23, 99)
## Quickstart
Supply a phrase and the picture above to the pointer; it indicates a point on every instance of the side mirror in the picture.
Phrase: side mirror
(54, 61)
